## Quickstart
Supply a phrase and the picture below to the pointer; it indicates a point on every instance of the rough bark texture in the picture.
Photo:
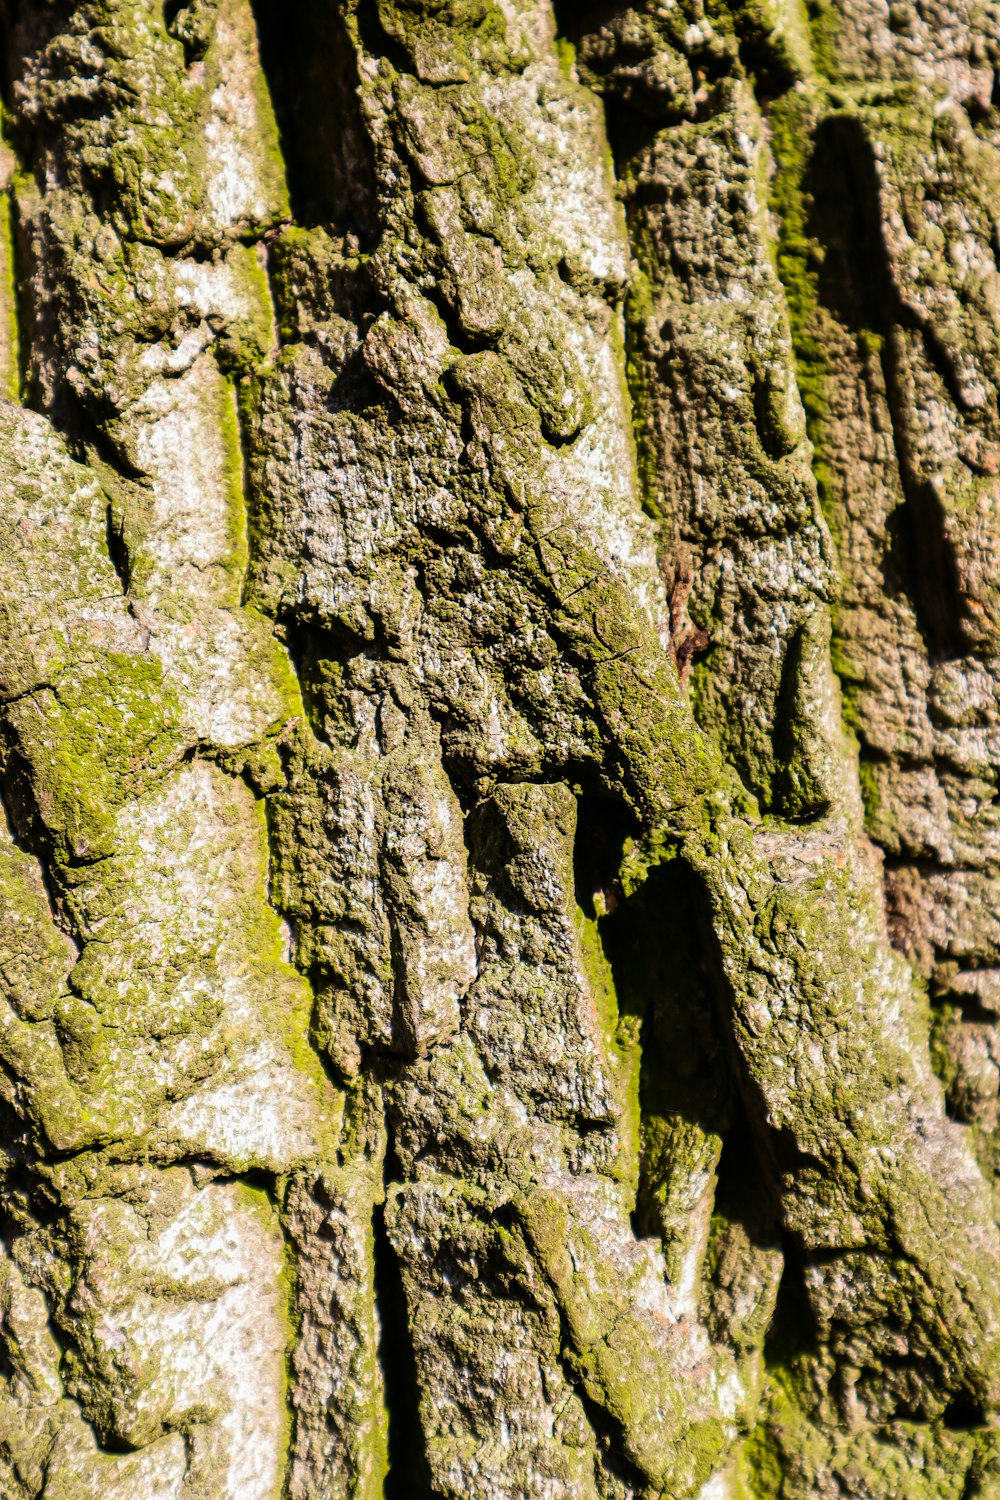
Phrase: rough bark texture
(499, 734)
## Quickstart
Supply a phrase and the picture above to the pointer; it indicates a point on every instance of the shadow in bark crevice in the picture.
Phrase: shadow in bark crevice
(311, 70)
(607, 1434)
(622, 55)
(408, 1474)
(793, 1334)
(854, 282)
(667, 975)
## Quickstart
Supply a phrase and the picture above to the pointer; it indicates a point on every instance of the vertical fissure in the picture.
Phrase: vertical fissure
(311, 70)
(835, 179)
(408, 1474)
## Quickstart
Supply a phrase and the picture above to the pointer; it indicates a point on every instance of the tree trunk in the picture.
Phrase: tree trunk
(499, 735)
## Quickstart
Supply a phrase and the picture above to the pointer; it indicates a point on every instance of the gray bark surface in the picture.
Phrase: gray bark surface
(499, 737)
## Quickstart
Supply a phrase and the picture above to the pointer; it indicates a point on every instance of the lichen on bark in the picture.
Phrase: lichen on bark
(496, 734)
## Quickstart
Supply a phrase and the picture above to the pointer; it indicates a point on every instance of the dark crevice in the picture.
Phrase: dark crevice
(770, 431)
(185, 21)
(408, 1476)
(28, 1206)
(8, 20)
(738, 1195)
(855, 283)
(666, 950)
(922, 864)
(603, 825)
(90, 445)
(667, 974)
(762, 55)
(315, 281)
(937, 352)
(117, 550)
(310, 65)
(27, 833)
(620, 54)
(922, 534)
(321, 658)
(77, 423)
(635, 112)
(377, 41)
(607, 1439)
(964, 1415)
(654, 945)
(459, 337)
(971, 1011)
(794, 1332)
(15, 830)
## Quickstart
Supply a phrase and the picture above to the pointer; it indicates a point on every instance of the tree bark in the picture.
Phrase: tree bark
(499, 735)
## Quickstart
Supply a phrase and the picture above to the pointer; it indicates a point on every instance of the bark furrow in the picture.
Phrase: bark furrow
(498, 717)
